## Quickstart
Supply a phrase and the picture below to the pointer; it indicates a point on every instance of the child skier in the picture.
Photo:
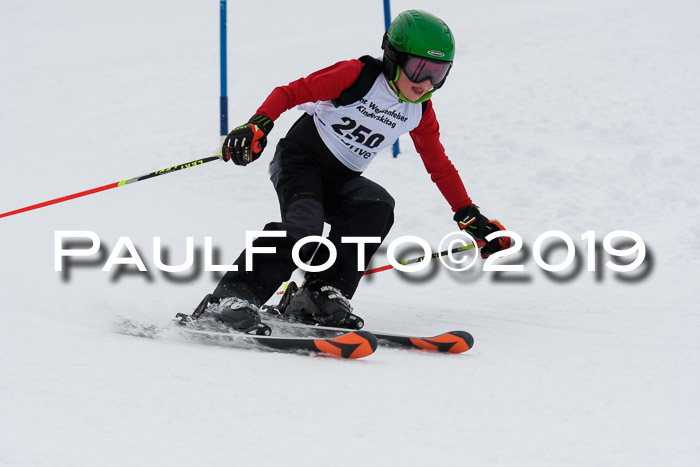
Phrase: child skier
(355, 109)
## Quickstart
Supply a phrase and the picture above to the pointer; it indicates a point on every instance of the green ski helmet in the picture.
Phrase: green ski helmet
(421, 45)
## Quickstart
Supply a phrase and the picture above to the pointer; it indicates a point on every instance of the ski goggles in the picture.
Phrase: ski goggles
(418, 69)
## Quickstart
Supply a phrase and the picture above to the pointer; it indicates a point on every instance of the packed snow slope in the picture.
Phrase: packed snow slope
(560, 115)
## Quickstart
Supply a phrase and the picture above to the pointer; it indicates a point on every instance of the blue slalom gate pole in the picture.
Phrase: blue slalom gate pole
(387, 14)
(387, 22)
(223, 100)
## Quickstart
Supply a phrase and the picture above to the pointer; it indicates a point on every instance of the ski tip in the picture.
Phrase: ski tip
(449, 342)
(356, 344)
(467, 340)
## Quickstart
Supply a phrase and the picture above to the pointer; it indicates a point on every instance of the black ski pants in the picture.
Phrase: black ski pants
(313, 187)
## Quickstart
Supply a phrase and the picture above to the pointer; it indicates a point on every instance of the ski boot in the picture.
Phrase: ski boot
(237, 314)
(321, 304)
(279, 309)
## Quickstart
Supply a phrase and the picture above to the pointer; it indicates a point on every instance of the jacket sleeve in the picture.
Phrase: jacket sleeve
(426, 138)
(322, 85)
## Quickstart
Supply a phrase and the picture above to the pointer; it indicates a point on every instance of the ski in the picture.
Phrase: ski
(447, 342)
(354, 344)
(350, 344)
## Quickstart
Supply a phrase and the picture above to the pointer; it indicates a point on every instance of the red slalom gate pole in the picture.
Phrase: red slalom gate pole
(112, 185)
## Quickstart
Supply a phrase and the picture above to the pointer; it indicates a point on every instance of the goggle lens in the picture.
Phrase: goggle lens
(418, 69)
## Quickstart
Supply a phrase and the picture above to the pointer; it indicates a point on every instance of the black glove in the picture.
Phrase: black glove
(479, 226)
(497, 244)
(245, 143)
(472, 221)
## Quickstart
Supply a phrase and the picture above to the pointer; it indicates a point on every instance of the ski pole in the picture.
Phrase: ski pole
(408, 261)
(418, 260)
(113, 185)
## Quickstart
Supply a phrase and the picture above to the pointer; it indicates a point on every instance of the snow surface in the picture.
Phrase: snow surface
(560, 115)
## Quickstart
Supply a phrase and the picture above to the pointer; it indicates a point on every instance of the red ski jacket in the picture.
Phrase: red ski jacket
(328, 83)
